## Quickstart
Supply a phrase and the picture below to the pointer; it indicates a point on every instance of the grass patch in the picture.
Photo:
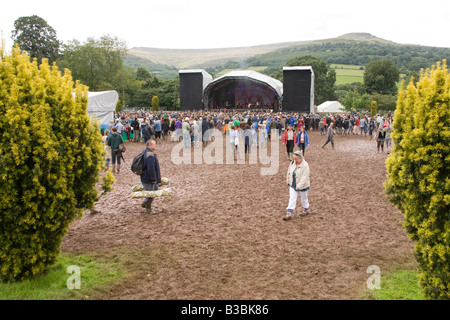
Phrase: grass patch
(95, 273)
(398, 285)
(345, 66)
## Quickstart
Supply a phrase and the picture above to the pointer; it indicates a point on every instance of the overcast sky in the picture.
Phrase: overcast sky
(194, 24)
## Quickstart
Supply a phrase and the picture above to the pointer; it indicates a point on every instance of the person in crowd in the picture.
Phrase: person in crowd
(234, 139)
(186, 131)
(380, 136)
(289, 141)
(346, 126)
(127, 129)
(107, 149)
(114, 141)
(136, 130)
(165, 128)
(302, 140)
(363, 125)
(298, 180)
(280, 128)
(119, 127)
(248, 139)
(330, 134)
(152, 173)
(388, 137)
(146, 130)
(157, 128)
(371, 127)
(205, 133)
(322, 127)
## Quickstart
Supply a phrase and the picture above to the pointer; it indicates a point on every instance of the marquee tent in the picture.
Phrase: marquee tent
(102, 105)
(330, 107)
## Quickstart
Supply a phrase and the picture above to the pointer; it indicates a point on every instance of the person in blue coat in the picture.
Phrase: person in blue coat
(152, 173)
(302, 140)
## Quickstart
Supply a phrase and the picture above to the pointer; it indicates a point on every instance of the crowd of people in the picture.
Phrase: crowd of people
(255, 127)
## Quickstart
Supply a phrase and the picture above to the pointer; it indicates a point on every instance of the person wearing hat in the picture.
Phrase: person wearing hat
(299, 184)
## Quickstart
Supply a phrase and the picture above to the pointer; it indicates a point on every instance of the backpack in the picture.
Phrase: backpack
(138, 164)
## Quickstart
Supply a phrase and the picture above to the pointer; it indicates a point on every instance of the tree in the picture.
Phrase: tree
(142, 74)
(35, 36)
(419, 174)
(325, 77)
(385, 101)
(381, 76)
(155, 103)
(51, 154)
(355, 101)
(98, 63)
(373, 108)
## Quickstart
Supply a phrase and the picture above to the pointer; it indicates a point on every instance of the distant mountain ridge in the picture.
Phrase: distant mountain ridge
(350, 49)
(186, 58)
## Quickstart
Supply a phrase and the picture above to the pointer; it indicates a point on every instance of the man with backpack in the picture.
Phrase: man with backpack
(151, 176)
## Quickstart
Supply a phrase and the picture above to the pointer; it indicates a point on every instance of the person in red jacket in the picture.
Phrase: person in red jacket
(289, 140)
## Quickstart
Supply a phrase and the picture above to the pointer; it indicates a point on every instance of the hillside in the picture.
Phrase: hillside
(350, 49)
(185, 58)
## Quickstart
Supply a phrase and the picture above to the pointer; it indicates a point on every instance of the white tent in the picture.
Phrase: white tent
(330, 107)
(102, 105)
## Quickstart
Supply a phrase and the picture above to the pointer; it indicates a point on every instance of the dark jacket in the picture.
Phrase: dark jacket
(152, 172)
(114, 140)
(135, 125)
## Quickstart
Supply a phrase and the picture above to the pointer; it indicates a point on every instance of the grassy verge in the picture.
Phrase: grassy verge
(397, 285)
(95, 273)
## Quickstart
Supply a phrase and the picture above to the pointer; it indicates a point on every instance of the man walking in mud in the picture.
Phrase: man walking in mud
(330, 134)
(152, 174)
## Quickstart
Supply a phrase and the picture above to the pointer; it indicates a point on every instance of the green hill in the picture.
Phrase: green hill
(355, 49)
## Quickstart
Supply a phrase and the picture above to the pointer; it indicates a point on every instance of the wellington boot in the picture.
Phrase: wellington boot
(118, 168)
(113, 168)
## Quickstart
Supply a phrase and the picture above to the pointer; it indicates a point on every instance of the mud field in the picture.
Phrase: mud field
(221, 234)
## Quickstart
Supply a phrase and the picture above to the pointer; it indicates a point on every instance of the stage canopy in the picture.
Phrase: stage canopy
(102, 105)
(243, 89)
(330, 107)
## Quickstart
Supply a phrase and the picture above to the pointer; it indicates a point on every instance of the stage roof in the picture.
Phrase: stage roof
(271, 82)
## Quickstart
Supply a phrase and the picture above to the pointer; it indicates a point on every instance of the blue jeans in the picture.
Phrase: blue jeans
(115, 155)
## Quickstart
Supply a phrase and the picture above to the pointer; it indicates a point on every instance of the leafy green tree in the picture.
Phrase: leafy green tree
(381, 76)
(142, 74)
(35, 36)
(419, 174)
(51, 154)
(373, 108)
(355, 101)
(385, 102)
(155, 103)
(98, 63)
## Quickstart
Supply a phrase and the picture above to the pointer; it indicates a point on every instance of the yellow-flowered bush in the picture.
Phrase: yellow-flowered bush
(418, 174)
(51, 154)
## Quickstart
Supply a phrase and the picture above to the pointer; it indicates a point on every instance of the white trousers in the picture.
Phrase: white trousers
(293, 195)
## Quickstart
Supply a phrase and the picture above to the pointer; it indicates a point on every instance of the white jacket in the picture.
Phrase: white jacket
(302, 175)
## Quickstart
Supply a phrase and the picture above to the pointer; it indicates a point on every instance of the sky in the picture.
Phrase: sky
(203, 24)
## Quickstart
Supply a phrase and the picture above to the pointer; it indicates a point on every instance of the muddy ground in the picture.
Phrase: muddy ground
(221, 234)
